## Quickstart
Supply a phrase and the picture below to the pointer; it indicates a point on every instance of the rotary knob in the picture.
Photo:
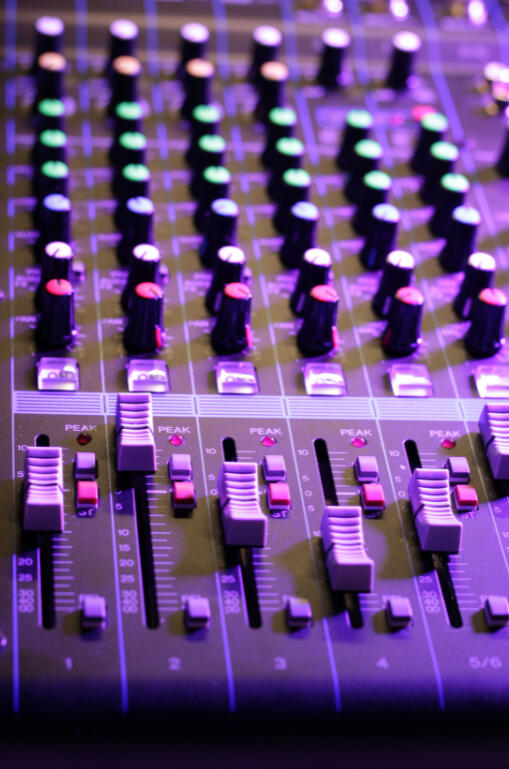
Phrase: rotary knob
(485, 335)
(50, 115)
(281, 124)
(56, 264)
(194, 38)
(49, 77)
(367, 154)
(228, 268)
(198, 78)
(56, 328)
(215, 183)
(452, 191)
(144, 331)
(54, 217)
(433, 127)
(265, 47)
(375, 189)
(232, 331)
(205, 121)
(137, 226)
(144, 267)
(402, 335)
(125, 74)
(405, 46)
(318, 334)
(440, 161)
(129, 147)
(381, 235)
(133, 182)
(210, 151)
(272, 88)
(123, 38)
(358, 125)
(315, 270)
(397, 273)
(288, 153)
(295, 186)
(220, 229)
(49, 35)
(335, 45)
(127, 118)
(461, 238)
(300, 234)
(479, 274)
(52, 178)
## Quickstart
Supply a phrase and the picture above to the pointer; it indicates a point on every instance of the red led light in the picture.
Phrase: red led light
(359, 441)
(268, 440)
(448, 443)
(84, 439)
(176, 440)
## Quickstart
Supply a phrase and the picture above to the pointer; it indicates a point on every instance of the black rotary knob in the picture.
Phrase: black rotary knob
(51, 144)
(125, 75)
(123, 38)
(56, 328)
(198, 78)
(49, 35)
(281, 123)
(54, 222)
(144, 267)
(397, 273)
(461, 237)
(133, 182)
(137, 227)
(358, 125)
(127, 118)
(440, 161)
(375, 189)
(271, 88)
(215, 183)
(232, 331)
(405, 46)
(49, 77)
(205, 121)
(129, 147)
(318, 334)
(144, 331)
(265, 47)
(452, 191)
(295, 186)
(194, 38)
(288, 153)
(56, 263)
(335, 45)
(381, 235)
(367, 154)
(485, 335)
(402, 335)
(315, 270)
(210, 151)
(479, 274)
(300, 234)
(502, 165)
(220, 229)
(50, 114)
(433, 127)
(51, 178)
(228, 268)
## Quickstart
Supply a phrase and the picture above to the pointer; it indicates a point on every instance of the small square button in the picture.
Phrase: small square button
(298, 613)
(85, 466)
(274, 468)
(372, 496)
(496, 611)
(465, 498)
(366, 469)
(180, 467)
(197, 613)
(398, 610)
(87, 494)
(459, 469)
(278, 496)
(93, 612)
(184, 495)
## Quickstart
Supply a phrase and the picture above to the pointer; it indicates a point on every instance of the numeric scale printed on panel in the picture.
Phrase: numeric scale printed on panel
(254, 284)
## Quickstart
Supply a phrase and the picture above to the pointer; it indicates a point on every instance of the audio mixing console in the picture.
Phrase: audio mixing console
(255, 434)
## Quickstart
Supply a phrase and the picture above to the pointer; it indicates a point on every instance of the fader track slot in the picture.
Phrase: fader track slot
(145, 549)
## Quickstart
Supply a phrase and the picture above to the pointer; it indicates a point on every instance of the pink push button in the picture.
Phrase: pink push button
(87, 494)
(465, 497)
(184, 495)
(372, 496)
(278, 496)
